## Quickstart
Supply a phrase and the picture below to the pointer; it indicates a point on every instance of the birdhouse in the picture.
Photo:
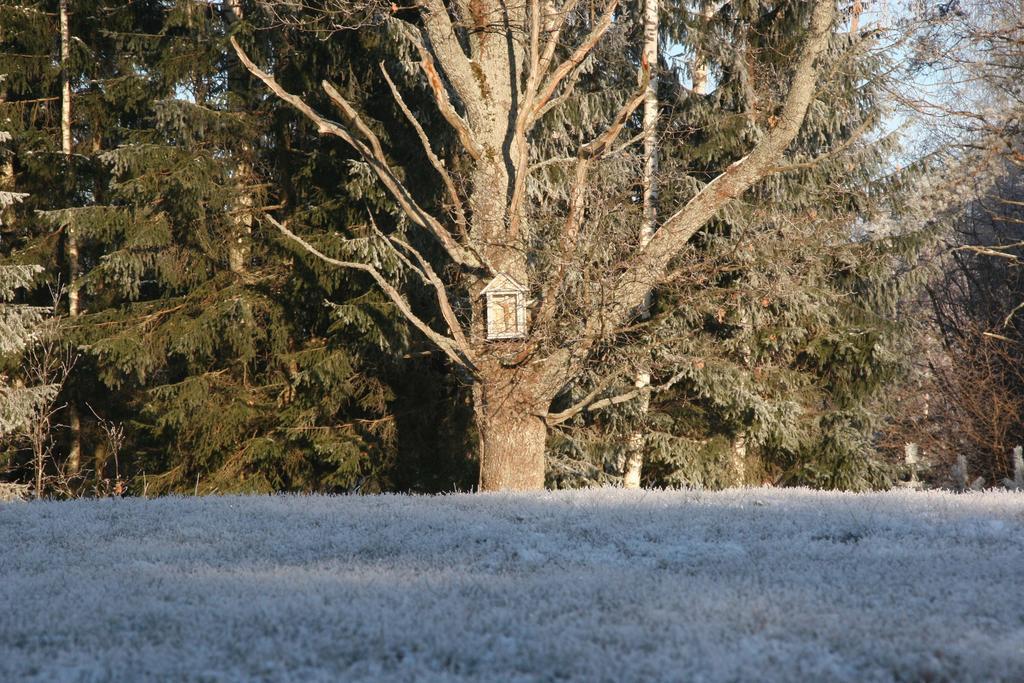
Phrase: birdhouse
(506, 308)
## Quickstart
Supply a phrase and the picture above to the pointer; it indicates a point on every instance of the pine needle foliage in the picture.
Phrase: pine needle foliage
(20, 323)
(230, 363)
(242, 376)
(780, 329)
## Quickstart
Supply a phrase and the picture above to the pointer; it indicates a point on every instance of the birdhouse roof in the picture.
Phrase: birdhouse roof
(503, 283)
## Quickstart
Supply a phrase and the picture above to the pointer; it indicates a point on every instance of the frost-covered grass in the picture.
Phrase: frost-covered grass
(587, 586)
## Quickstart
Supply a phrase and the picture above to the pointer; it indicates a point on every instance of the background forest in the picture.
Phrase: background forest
(161, 334)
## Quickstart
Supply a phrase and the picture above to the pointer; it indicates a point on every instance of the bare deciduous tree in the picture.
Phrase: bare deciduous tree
(969, 100)
(495, 70)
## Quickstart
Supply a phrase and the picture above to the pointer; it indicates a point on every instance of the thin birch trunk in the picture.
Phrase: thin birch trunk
(700, 62)
(635, 444)
(738, 459)
(738, 443)
(239, 243)
(74, 461)
(65, 59)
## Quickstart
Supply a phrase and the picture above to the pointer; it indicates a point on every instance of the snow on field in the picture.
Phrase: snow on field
(775, 585)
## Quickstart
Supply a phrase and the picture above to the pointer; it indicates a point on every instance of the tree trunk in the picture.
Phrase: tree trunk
(637, 441)
(74, 461)
(738, 460)
(239, 244)
(635, 454)
(65, 59)
(512, 434)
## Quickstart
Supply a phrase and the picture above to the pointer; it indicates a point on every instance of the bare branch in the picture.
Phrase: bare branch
(448, 345)
(372, 154)
(460, 213)
(574, 60)
(442, 296)
(1009, 316)
(830, 154)
(352, 115)
(1000, 337)
(567, 90)
(426, 273)
(649, 265)
(586, 156)
(437, 25)
(626, 144)
(997, 251)
(588, 403)
(552, 43)
(444, 103)
(597, 147)
(534, 39)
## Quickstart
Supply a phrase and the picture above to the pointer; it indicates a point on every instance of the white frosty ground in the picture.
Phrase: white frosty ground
(787, 585)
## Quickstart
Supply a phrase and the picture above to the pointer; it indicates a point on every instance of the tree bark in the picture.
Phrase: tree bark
(509, 407)
(38, 457)
(239, 244)
(74, 461)
(738, 459)
(512, 433)
(700, 62)
(7, 184)
(636, 442)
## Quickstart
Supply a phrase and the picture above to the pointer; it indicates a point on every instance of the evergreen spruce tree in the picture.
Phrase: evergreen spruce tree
(55, 57)
(226, 365)
(234, 374)
(779, 339)
(19, 324)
